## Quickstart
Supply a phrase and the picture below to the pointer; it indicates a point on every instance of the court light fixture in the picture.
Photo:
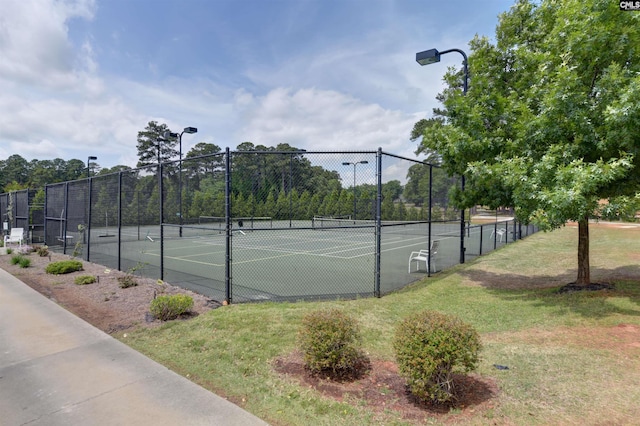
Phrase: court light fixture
(89, 159)
(427, 57)
(190, 130)
(432, 56)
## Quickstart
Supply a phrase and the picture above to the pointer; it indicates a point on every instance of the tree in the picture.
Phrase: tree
(152, 139)
(114, 169)
(202, 161)
(550, 122)
(41, 173)
(392, 189)
(417, 134)
(16, 169)
(73, 169)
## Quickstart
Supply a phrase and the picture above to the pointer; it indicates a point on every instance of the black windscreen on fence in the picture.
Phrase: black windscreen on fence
(267, 225)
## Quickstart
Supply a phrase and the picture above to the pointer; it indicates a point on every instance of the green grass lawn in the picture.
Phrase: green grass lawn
(573, 358)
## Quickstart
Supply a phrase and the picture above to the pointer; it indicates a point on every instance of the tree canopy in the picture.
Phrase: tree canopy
(550, 121)
(153, 145)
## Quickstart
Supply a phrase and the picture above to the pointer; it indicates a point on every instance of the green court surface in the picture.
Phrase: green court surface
(276, 263)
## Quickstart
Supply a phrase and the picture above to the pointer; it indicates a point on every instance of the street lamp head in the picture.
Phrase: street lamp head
(89, 159)
(427, 57)
(346, 163)
(364, 162)
(190, 130)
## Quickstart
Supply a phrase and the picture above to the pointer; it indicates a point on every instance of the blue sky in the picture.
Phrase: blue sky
(82, 77)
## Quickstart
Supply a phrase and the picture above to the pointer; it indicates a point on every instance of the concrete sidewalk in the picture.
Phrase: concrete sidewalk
(56, 369)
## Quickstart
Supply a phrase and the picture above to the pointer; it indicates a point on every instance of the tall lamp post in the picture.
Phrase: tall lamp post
(346, 163)
(189, 130)
(432, 56)
(89, 159)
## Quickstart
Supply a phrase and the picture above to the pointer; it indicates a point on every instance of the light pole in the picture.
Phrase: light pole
(432, 56)
(89, 159)
(347, 163)
(189, 130)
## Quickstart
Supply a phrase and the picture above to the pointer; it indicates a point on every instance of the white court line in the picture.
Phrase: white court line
(333, 254)
(289, 253)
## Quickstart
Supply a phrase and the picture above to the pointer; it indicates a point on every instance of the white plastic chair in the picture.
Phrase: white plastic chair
(423, 256)
(16, 236)
(500, 233)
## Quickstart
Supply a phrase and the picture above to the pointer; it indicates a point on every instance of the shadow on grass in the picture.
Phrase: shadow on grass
(544, 289)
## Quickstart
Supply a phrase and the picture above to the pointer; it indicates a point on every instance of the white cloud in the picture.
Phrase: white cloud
(34, 43)
(54, 104)
(322, 119)
(42, 149)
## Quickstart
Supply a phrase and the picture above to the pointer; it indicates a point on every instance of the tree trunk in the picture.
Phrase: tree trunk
(584, 276)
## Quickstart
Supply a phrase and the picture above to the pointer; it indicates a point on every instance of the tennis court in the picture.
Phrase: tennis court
(278, 263)
(297, 239)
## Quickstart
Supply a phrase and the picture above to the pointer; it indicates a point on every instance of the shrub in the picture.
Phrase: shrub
(171, 307)
(429, 348)
(24, 262)
(42, 251)
(20, 260)
(85, 279)
(127, 281)
(63, 267)
(77, 249)
(9, 250)
(329, 340)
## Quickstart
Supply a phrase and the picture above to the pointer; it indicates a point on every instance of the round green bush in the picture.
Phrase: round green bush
(166, 308)
(430, 347)
(329, 341)
(63, 267)
(85, 279)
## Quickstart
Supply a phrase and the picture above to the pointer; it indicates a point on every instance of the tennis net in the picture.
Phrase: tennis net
(218, 222)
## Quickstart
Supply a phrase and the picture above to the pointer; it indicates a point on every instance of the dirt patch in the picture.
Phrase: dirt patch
(573, 287)
(620, 339)
(103, 304)
(381, 389)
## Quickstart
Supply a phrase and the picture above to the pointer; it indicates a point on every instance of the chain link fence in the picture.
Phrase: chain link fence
(252, 225)
(23, 209)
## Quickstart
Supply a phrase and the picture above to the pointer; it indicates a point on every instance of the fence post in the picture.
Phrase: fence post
(65, 216)
(462, 225)
(161, 198)
(376, 290)
(44, 216)
(120, 221)
(88, 228)
(429, 216)
(227, 214)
